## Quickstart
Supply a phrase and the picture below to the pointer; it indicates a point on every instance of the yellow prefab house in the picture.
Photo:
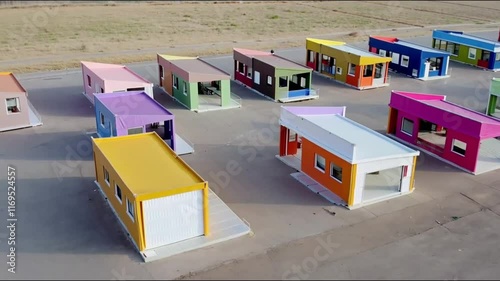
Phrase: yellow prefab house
(346, 64)
(156, 196)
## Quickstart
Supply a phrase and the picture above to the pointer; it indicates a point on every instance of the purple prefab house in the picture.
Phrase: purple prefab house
(128, 113)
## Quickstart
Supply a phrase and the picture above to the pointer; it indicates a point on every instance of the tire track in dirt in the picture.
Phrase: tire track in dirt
(433, 12)
(466, 5)
(363, 16)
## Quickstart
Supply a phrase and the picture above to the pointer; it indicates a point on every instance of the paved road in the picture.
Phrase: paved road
(447, 228)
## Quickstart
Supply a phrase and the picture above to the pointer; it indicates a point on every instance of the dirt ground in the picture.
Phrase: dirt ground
(58, 36)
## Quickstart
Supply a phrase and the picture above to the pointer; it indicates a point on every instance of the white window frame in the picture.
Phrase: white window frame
(311, 56)
(116, 193)
(382, 52)
(249, 72)
(403, 64)
(18, 105)
(184, 90)
(130, 206)
(403, 126)
(352, 67)
(332, 166)
(106, 176)
(269, 80)
(256, 77)
(103, 120)
(175, 82)
(128, 129)
(497, 56)
(316, 157)
(395, 58)
(339, 70)
(474, 53)
(453, 147)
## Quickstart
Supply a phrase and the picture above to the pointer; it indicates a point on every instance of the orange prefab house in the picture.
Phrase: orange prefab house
(345, 162)
(348, 65)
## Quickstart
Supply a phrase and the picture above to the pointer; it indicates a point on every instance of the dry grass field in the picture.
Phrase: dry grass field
(56, 36)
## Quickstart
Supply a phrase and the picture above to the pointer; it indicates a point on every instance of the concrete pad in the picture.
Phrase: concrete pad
(34, 116)
(208, 103)
(317, 188)
(181, 146)
(290, 160)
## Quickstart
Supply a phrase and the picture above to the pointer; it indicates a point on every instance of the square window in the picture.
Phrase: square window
(352, 69)
(395, 58)
(368, 71)
(118, 193)
(320, 163)
(269, 80)
(102, 120)
(130, 209)
(459, 147)
(256, 78)
(241, 67)
(472, 53)
(89, 81)
(283, 81)
(176, 82)
(106, 176)
(303, 82)
(249, 72)
(407, 127)
(133, 131)
(339, 70)
(405, 61)
(382, 52)
(12, 105)
(336, 172)
(497, 56)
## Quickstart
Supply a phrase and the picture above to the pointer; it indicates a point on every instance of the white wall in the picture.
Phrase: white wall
(370, 167)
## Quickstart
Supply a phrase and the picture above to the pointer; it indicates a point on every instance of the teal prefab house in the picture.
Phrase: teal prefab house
(493, 108)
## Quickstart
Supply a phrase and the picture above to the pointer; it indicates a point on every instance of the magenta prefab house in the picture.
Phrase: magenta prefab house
(273, 76)
(129, 113)
(454, 134)
(18, 111)
(109, 78)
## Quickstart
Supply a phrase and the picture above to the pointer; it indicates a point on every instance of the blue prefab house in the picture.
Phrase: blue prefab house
(468, 49)
(411, 59)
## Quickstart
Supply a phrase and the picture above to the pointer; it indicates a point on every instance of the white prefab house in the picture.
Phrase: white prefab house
(345, 162)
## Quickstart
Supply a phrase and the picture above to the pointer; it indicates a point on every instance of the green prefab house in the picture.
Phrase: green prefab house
(196, 84)
(493, 108)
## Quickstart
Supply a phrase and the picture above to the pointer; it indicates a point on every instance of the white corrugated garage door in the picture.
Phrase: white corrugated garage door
(173, 218)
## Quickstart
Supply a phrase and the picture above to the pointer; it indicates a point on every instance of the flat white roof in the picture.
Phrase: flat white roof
(345, 138)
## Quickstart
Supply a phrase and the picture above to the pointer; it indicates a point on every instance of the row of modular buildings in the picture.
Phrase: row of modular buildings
(338, 158)
(163, 205)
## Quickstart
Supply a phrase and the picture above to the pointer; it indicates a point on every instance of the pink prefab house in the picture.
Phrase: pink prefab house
(17, 111)
(109, 78)
(456, 135)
